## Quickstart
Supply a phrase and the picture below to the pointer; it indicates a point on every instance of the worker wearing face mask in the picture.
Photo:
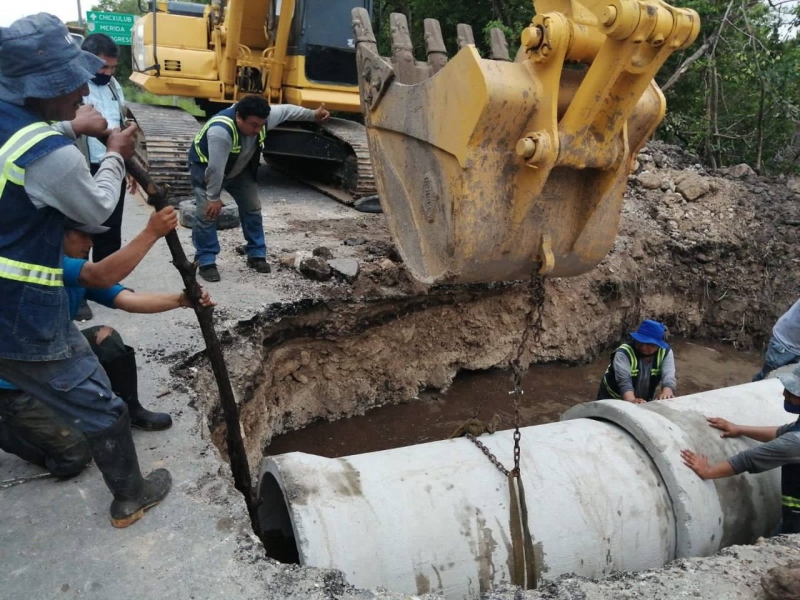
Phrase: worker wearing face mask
(105, 94)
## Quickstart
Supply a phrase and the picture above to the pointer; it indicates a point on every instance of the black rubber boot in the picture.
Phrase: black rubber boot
(115, 455)
(124, 381)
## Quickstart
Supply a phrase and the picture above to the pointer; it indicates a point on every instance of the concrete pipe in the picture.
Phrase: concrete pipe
(603, 493)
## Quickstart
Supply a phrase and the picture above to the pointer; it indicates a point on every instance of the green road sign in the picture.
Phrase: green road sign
(117, 26)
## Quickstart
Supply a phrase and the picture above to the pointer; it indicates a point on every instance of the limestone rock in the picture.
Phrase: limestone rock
(323, 251)
(741, 171)
(354, 241)
(782, 583)
(649, 181)
(288, 260)
(693, 186)
(228, 218)
(345, 267)
(316, 268)
(794, 184)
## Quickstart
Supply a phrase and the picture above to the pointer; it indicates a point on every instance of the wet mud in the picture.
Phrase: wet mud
(548, 391)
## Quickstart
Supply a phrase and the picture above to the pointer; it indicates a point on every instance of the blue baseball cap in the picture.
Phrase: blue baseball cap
(651, 332)
(40, 59)
(791, 381)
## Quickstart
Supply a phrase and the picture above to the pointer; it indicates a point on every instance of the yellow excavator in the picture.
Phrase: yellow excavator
(296, 52)
(488, 169)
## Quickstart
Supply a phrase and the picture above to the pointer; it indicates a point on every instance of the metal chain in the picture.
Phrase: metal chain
(533, 326)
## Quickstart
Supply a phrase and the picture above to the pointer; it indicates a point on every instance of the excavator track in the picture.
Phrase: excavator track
(333, 157)
(355, 135)
(168, 132)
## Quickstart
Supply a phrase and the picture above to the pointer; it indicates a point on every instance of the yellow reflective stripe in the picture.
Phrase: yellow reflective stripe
(632, 357)
(17, 145)
(235, 147)
(30, 273)
(790, 501)
(611, 392)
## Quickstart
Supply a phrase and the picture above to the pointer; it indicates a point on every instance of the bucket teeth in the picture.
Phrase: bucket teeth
(402, 51)
(434, 44)
(499, 44)
(362, 27)
(465, 37)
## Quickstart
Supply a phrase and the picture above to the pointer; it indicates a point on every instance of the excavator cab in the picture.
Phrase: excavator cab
(490, 169)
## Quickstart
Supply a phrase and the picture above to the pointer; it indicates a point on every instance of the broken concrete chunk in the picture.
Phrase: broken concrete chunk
(354, 241)
(323, 252)
(228, 218)
(345, 267)
(316, 268)
(649, 181)
(693, 186)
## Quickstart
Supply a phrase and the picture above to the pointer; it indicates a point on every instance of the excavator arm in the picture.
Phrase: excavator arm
(492, 170)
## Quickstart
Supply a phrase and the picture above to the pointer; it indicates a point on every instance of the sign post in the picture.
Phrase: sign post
(117, 26)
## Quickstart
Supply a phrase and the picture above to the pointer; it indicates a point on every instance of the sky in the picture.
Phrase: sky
(66, 10)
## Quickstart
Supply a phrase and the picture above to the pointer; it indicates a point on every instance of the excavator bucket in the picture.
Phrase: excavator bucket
(493, 170)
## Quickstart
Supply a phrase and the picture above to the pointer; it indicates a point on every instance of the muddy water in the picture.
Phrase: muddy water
(549, 390)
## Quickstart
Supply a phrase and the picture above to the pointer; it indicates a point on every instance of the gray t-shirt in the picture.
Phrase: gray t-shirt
(787, 329)
(61, 179)
(622, 371)
(220, 143)
(784, 449)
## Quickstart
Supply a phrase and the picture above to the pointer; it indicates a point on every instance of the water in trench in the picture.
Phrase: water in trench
(549, 390)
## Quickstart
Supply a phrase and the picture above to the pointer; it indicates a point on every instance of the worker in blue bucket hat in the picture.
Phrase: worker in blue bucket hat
(44, 181)
(642, 370)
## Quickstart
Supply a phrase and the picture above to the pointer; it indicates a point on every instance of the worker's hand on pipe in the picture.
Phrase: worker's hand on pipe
(163, 221)
(205, 300)
(321, 114)
(637, 401)
(696, 462)
(665, 394)
(89, 121)
(123, 142)
(213, 208)
(727, 428)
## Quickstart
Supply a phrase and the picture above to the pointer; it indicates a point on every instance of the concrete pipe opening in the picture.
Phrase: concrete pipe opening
(603, 493)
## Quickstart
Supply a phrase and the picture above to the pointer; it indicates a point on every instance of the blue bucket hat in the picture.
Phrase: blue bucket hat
(651, 332)
(791, 381)
(39, 59)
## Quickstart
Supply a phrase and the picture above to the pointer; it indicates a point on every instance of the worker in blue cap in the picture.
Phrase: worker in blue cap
(44, 76)
(642, 370)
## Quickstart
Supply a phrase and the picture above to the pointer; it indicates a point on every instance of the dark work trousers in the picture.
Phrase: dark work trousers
(111, 348)
(109, 242)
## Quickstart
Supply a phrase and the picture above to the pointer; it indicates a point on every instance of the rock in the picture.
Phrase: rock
(288, 260)
(228, 218)
(637, 251)
(648, 180)
(794, 184)
(323, 252)
(368, 204)
(693, 186)
(703, 258)
(667, 185)
(740, 171)
(316, 268)
(345, 267)
(782, 583)
(660, 159)
(354, 241)
(710, 269)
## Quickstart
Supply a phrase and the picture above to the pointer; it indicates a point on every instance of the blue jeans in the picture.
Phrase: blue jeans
(77, 388)
(777, 355)
(244, 190)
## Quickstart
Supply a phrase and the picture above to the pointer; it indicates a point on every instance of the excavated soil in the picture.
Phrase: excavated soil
(720, 267)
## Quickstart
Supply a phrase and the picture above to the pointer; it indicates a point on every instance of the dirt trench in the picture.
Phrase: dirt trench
(713, 255)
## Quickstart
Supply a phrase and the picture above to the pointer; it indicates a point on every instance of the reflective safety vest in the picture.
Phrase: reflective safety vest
(198, 151)
(610, 377)
(33, 304)
(790, 480)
